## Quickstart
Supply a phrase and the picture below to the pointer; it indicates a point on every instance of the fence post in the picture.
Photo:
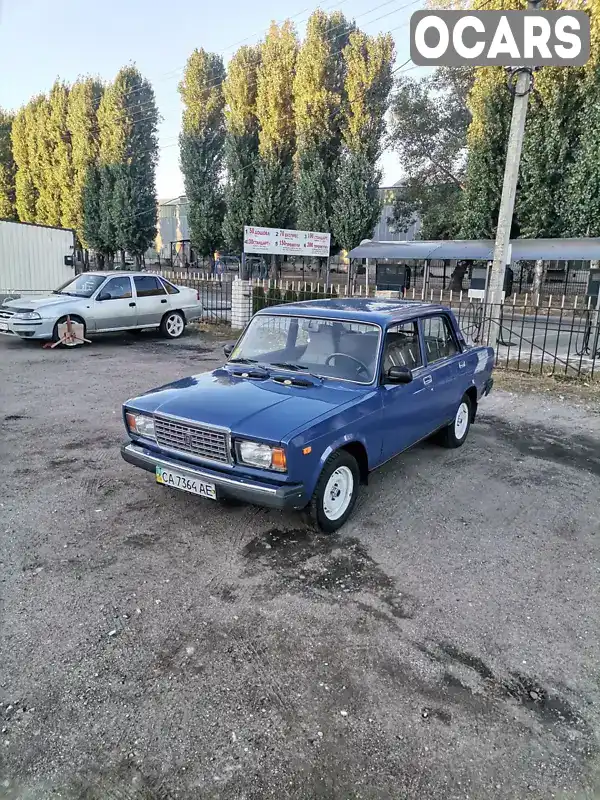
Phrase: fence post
(241, 303)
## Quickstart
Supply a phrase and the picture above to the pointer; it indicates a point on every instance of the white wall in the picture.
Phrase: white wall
(32, 256)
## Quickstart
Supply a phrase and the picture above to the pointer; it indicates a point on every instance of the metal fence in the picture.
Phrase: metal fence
(555, 335)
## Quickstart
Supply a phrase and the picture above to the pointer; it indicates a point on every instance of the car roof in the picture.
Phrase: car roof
(114, 272)
(357, 309)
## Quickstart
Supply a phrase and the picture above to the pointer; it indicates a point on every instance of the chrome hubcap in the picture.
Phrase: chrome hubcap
(174, 325)
(338, 493)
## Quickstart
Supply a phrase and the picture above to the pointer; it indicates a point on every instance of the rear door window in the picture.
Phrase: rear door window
(148, 286)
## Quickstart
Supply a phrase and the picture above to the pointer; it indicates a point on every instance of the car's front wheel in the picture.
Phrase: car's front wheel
(335, 493)
(62, 321)
(172, 325)
(457, 431)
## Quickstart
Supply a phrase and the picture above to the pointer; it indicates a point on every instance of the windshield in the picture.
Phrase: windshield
(82, 286)
(327, 348)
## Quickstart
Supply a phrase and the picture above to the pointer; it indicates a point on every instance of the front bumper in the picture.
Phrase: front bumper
(31, 329)
(487, 387)
(290, 496)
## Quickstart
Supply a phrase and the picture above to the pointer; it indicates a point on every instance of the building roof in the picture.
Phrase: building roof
(355, 309)
(480, 249)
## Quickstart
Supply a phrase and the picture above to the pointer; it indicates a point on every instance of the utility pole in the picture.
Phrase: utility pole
(523, 86)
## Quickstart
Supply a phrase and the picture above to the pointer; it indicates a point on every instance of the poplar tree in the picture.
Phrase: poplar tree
(490, 104)
(368, 83)
(241, 143)
(82, 122)
(24, 143)
(274, 204)
(318, 100)
(128, 153)
(8, 208)
(201, 148)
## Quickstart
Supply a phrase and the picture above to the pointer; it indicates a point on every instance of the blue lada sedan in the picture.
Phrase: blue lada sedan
(312, 398)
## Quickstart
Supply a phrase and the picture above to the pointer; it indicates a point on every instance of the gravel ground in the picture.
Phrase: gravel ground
(156, 646)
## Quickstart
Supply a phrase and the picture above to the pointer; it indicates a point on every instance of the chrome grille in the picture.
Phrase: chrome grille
(207, 443)
(7, 313)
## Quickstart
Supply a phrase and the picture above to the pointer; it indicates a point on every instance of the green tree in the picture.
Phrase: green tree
(8, 208)
(51, 118)
(368, 83)
(429, 123)
(128, 152)
(241, 143)
(490, 103)
(274, 204)
(201, 148)
(582, 198)
(318, 99)
(92, 230)
(82, 122)
(24, 142)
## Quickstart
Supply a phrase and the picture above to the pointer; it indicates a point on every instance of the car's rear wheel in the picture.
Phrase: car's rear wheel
(62, 321)
(172, 325)
(457, 431)
(335, 493)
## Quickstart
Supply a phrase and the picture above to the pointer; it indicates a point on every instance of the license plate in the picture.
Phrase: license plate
(168, 477)
(3, 326)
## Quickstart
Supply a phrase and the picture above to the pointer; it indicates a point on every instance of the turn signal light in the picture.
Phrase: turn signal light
(278, 459)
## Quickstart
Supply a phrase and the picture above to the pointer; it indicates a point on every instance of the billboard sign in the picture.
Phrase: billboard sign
(280, 241)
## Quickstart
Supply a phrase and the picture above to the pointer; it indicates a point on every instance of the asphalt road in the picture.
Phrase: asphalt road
(156, 646)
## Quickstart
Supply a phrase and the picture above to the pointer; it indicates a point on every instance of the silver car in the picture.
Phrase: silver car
(103, 301)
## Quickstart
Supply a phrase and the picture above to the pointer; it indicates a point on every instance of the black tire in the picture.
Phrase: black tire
(55, 336)
(455, 435)
(316, 509)
(166, 327)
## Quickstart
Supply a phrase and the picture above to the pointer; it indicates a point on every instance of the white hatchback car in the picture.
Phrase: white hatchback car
(103, 302)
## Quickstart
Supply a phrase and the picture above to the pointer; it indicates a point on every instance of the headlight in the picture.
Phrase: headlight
(141, 424)
(262, 456)
(27, 315)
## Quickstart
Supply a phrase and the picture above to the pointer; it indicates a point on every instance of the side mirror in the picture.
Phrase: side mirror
(398, 375)
(228, 349)
(103, 296)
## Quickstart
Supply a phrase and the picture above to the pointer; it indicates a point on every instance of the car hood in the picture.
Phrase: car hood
(35, 303)
(262, 409)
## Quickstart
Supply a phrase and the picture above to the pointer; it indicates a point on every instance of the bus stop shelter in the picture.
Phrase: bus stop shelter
(583, 249)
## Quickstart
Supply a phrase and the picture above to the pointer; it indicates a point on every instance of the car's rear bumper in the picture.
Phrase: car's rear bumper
(290, 496)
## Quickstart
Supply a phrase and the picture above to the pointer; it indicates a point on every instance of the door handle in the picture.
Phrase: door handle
(131, 305)
(163, 301)
(427, 380)
(462, 364)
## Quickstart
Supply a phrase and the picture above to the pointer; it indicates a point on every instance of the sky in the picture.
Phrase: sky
(41, 41)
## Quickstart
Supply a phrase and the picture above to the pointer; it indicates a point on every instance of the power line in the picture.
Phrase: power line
(332, 39)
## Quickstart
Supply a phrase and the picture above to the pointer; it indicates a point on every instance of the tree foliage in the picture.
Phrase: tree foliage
(201, 147)
(241, 143)
(128, 153)
(8, 208)
(368, 83)
(581, 206)
(82, 122)
(318, 99)
(24, 142)
(428, 131)
(490, 103)
(276, 143)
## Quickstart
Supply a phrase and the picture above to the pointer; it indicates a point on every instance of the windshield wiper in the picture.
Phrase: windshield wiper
(242, 361)
(289, 365)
